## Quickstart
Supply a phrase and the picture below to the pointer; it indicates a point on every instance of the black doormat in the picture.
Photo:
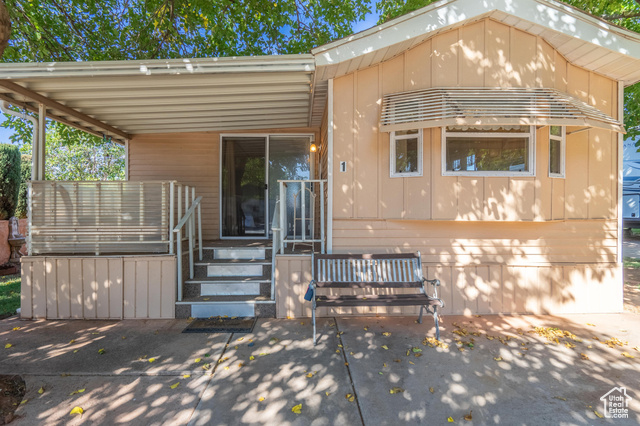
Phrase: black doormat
(221, 325)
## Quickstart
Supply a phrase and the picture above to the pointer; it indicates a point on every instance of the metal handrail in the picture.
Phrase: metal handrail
(189, 220)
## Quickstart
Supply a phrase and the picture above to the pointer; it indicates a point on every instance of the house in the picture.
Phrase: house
(486, 135)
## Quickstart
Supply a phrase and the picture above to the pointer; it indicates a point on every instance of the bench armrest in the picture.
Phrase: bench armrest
(435, 283)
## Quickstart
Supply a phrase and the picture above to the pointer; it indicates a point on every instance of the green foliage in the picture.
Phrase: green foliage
(9, 180)
(624, 13)
(9, 294)
(25, 176)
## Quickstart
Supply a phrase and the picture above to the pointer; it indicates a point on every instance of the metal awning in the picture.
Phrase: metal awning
(125, 98)
(448, 106)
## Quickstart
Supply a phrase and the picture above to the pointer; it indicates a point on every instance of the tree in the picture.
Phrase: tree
(625, 13)
(5, 27)
(9, 180)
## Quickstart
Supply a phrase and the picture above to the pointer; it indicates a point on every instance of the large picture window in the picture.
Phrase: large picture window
(557, 137)
(488, 150)
(406, 153)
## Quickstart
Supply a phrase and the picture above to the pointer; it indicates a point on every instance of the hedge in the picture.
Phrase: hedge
(9, 179)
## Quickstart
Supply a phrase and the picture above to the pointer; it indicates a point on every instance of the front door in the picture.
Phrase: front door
(248, 163)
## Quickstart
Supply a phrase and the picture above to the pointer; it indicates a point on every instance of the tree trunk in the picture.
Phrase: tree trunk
(5, 27)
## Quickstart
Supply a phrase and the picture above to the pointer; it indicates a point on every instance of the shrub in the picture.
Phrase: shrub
(9, 179)
(23, 203)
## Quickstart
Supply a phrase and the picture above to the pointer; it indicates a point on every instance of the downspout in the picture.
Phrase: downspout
(4, 107)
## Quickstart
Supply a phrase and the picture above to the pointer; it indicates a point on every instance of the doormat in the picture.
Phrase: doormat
(221, 325)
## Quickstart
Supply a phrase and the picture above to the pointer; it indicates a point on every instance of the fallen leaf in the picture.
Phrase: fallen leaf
(186, 376)
(469, 417)
(301, 322)
(76, 410)
(24, 401)
(384, 364)
(386, 334)
(72, 341)
(327, 393)
(598, 414)
(385, 347)
(395, 390)
(175, 385)
(41, 390)
(124, 337)
(296, 408)
(236, 348)
(208, 366)
(417, 355)
(339, 346)
(266, 353)
(101, 351)
(16, 328)
(416, 350)
(198, 360)
(627, 354)
(380, 372)
(497, 358)
(450, 420)
(8, 345)
(592, 325)
(65, 375)
(350, 397)
(76, 392)
(337, 351)
(151, 359)
(76, 351)
(432, 390)
(560, 398)
(310, 375)
(412, 363)
(584, 356)
(251, 358)
(261, 399)
(346, 363)
(274, 340)
(366, 329)
(240, 339)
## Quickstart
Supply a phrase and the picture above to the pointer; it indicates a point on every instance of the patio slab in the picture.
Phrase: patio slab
(510, 376)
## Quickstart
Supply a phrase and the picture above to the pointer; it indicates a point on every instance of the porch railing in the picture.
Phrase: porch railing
(189, 219)
(300, 203)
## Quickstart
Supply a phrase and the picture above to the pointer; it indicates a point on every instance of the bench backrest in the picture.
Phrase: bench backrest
(367, 270)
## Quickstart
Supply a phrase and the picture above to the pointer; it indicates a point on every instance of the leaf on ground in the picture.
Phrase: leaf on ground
(598, 414)
(385, 347)
(637, 348)
(450, 420)
(497, 358)
(175, 385)
(384, 364)
(592, 325)
(584, 356)
(386, 334)
(101, 351)
(469, 417)
(380, 373)
(24, 401)
(296, 408)
(627, 354)
(412, 363)
(124, 337)
(310, 375)
(274, 340)
(41, 390)
(186, 376)
(339, 346)
(337, 351)
(76, 392)
(350, 397)
(76, 410)
(395, 390)
(152, 359)
(16, 328)
(76, 351)
(416, 350)
(261, 399)
(264, 353)
(198, 360)
(432, 390)
(366, 328)
(251, 358)
(72, 341)
(560, 398)
(8, 345)
(327, 393)
(235, 347)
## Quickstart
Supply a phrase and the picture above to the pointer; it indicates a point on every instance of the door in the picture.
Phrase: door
(243, 183)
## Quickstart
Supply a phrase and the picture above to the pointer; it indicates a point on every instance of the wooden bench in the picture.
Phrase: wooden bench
(372, 271)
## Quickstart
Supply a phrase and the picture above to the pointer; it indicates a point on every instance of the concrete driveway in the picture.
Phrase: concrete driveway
(373, 371)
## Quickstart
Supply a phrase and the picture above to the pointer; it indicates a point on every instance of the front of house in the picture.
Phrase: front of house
(486, 136)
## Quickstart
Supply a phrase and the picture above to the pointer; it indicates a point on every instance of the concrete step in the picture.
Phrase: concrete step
(219, 286)
(206, 270)
(231, 306)
(238, 252)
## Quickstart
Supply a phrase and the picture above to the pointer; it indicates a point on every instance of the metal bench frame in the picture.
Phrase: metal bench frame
(397, 270)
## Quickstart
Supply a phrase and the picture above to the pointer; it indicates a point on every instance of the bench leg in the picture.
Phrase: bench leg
(435, 319)
(420, 317)
(313, 314)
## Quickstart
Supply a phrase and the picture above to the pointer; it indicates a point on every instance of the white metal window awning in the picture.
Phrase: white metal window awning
(447, 106)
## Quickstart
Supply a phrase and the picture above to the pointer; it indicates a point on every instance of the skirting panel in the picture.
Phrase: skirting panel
(475, 289)
(98, 287)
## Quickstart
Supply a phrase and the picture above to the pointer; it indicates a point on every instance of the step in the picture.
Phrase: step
(230, 289)
(230, 270)
(238, 252)
(231, 306)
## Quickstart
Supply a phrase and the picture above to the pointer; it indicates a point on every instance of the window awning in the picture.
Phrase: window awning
(448, 106)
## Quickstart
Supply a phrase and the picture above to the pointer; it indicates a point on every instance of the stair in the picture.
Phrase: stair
(232, 280)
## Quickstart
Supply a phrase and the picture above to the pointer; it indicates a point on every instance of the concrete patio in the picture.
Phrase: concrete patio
(363, 370)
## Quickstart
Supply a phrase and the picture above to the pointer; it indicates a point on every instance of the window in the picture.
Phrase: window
(406, 153)
(488, 150)
(557, 137)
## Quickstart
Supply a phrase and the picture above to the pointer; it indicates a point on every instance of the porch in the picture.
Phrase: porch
(119, 250)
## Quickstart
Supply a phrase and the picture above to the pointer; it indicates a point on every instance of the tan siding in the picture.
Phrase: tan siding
(475, 289)
(98, 287)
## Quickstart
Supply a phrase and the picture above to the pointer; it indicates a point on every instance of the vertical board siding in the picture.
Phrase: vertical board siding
(473, 289)
(98, 287)
(485, 53)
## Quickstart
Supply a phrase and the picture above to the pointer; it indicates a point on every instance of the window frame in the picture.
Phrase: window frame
(393, 138)
(563, 150)
(530, 135)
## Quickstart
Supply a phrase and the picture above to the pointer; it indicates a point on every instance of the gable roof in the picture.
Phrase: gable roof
(584, 40)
